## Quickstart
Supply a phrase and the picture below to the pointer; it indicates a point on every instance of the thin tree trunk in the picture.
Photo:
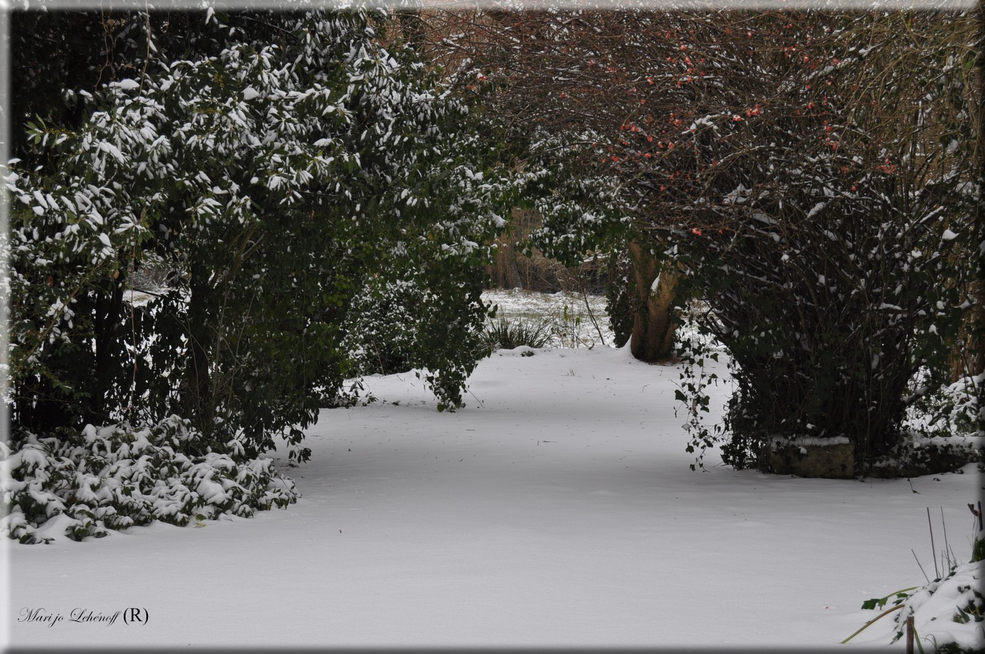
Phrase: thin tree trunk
(198, 384)
(655, 290)
(108, 312)
(970, 359)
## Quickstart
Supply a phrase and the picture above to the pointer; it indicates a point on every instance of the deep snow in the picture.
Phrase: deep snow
(556, 509)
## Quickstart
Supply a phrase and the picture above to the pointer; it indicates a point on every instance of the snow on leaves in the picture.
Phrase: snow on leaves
(116, 477)
(273, 181)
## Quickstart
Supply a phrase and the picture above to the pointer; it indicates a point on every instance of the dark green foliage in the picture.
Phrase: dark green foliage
(119, 477)
(380, 335)
(280, 170)
(814, 354)
(399, 324)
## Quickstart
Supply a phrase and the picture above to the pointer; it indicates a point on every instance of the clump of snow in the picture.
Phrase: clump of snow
(128, 84)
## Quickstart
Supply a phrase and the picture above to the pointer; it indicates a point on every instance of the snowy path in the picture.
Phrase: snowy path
(561, 512)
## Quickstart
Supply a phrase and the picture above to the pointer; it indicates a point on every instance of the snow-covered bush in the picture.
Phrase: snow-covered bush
(397, 325)
(948, 613)
(275, 178)
(120, 476)
(834, 260)
(952, 409)
(809, 177)
(378, 338)
(273, 167)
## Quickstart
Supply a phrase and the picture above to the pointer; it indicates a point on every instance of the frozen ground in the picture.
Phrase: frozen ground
(556, 509)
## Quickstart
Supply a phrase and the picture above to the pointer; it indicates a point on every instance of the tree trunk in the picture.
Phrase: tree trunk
(198, 387)
(655, 290)
(968, 358)
(107, 324)
(511, 272)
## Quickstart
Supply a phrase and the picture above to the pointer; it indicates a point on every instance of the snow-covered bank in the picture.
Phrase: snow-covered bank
(557, 508)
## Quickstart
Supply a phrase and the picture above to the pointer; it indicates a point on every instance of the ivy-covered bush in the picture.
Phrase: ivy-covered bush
(119, 476)
(835, 261)
(829, 323)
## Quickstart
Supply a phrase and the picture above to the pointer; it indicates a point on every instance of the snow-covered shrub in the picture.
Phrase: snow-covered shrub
(811, 176)
(275, 171)
(119, 476)
(949, 613)
(834, 262)
(952, 409)
(378, 338)
(420, 319)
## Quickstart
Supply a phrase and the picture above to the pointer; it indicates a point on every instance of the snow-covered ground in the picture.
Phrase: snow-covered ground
(576, 320)
(556, 509)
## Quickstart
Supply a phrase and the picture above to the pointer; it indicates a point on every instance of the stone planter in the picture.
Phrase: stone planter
(811, 458)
